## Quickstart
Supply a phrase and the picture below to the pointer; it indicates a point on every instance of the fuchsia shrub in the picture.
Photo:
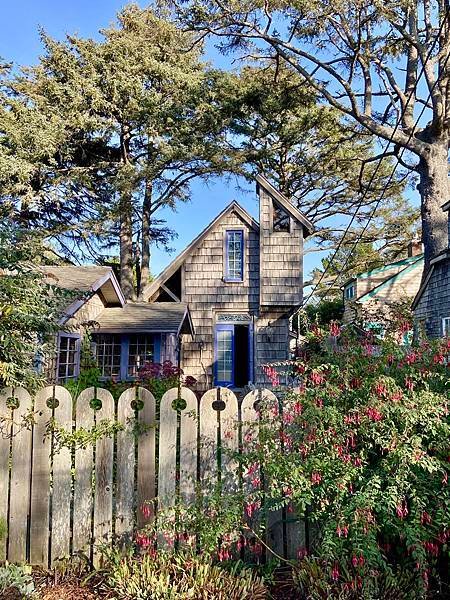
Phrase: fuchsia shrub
(363, 446)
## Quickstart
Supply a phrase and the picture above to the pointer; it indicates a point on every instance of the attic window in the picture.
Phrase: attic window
(281, 221)
(350, 292)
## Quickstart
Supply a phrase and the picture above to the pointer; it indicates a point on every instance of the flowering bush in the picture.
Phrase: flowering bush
(160, 377)
(362, 450)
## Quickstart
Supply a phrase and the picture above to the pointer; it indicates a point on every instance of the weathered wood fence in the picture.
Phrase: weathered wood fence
(56, 502)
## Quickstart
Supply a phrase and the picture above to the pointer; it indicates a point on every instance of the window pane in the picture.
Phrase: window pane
(108, 354)
(141, 350)
(68, 357)
(225, 356)
(281, 220)
(235, 243)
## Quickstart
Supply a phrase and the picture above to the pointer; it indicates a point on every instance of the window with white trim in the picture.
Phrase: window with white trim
(350, 292)
(141, 350)
(446, 327)
(68, 356)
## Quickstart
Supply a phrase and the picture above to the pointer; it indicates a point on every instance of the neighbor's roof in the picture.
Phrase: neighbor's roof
(413, 263)
(142, 317)
(401, 264)
(89, 278)
(178, 261)
(286, 204)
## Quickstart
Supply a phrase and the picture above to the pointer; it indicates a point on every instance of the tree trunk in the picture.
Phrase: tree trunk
(434, 192)
(146, 238)
(126, 248)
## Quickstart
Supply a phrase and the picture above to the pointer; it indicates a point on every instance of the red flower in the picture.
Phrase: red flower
(335, 572)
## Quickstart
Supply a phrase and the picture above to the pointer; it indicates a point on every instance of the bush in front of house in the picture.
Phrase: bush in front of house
(362, 450)
(161, 377)
(164, 576)
(14, 579)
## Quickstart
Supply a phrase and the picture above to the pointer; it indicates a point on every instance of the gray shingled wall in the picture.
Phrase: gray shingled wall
(434, 304)
(281, 259)
(207, 293)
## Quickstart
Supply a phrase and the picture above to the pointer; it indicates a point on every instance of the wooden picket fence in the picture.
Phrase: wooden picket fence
(57, 502)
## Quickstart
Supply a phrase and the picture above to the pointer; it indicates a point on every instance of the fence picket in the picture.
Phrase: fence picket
(5, 446)
(125, 467)
(209, 427)
(188, 446)
(229, 442)
(40, 484)
(20, 478)
(62, 480)
(167, 450)
(146, 488)
(84, 458)
(103, 495)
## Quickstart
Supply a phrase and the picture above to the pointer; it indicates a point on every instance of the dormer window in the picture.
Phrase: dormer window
(350, 292)
(281, 221)
(234, 255)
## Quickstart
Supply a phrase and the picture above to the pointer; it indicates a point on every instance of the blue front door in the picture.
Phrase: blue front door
(224, 355)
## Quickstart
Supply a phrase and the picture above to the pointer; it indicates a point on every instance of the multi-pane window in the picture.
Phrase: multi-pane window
(224, 356)
(446, 326)
(350, 292)
(68, 356)
(280, 218)
(108, 351)
(141, 350)
(234, 255)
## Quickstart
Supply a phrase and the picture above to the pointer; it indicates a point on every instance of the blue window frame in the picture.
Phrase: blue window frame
(234, 255)
(121, 356)
(224, 355)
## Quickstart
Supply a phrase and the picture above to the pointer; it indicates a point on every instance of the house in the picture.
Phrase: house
(378, 290)
(241, 281)
(432, 303)
(122, 336)
(221, 309)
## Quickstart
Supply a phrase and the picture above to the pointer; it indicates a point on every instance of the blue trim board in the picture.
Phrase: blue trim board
(399, 263)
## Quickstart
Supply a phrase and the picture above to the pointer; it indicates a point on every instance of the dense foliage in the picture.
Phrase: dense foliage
(360, 449)
(30, 308)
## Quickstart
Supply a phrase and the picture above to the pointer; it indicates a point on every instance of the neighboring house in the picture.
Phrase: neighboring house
(241, 281)
(432, 302)
(123, 336)
(382, 288)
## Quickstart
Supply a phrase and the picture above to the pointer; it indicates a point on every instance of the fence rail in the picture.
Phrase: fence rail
(57, 501)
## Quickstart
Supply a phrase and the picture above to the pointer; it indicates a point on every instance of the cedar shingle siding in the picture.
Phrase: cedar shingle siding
(434, 302)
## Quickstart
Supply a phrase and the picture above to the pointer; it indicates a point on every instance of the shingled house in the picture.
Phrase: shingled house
(380, 289)
(432, 302)
(122, 336)
(241, 281)
(221, 308)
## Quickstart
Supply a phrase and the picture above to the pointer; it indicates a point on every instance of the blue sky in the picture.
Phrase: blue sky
(19, 42)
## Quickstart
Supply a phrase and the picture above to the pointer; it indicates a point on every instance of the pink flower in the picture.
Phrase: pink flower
(302, 552)
(288, 418)
(251, 508)
(402, 509)
(374, 414)
(316, 478)
(335, 330)
(297, 408)
(317, 378)
(143, 540)
(335, 572)
(409, 384)
(425, 518)
(146, 511)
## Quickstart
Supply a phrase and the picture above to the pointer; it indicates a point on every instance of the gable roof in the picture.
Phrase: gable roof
(285, 203)
(142, 317)
(87, 278)
(411, 264)
(178, 261)
(404, 262)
